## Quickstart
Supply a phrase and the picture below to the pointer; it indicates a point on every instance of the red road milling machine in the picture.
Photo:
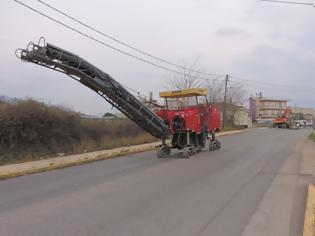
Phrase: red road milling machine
(191, 119)
(187, 118)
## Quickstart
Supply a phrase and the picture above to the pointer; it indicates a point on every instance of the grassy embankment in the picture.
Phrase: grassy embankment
(312, 136)
(31, 130)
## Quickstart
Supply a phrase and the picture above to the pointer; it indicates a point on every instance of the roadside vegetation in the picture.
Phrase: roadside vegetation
(312, 136)
(230, 127)
(31, 130)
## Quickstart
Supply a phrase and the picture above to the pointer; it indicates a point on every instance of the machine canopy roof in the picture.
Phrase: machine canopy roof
(191, 92)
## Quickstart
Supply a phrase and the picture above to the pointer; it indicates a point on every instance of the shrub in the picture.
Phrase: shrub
(312, 136)
(30, 129)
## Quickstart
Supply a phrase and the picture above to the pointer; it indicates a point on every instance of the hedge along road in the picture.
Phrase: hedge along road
(213, 193)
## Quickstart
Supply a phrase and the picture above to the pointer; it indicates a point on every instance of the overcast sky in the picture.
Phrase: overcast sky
(262, 42)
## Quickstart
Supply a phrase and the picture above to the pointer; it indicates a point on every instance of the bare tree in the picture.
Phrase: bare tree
(188, 78)
(216, 90)
(236, 92)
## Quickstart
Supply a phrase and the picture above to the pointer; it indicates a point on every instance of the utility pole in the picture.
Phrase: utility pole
(225, 97)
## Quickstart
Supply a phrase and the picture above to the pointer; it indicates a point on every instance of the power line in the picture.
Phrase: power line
(120, 42)
(105, 44)
(136, 92)
(279, 90)
(131, 55)
(289, 2)
(273, 85)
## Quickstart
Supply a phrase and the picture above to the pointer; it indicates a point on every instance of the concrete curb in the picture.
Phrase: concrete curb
(14, 170)
(231, 132)
(309, 220)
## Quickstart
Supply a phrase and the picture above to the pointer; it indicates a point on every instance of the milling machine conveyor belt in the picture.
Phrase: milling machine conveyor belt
(113, 92)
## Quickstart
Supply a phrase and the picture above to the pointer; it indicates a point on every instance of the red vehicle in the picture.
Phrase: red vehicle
(188, 118)
(192, 120)
(285, 120)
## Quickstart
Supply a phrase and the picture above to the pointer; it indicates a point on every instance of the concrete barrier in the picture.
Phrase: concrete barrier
(14, 170)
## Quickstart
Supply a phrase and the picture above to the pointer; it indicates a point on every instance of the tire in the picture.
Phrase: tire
(218, 144)
(168, 151)
(211, 146)
(163, 152)
(187, 153)
(159, 152)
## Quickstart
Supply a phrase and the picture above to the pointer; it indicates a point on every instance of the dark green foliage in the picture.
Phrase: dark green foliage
(109, 115)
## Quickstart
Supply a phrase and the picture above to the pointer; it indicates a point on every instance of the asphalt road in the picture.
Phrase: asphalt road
(213, 193)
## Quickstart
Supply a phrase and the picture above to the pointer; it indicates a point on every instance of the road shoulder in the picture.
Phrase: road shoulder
(14, 170)
(281, 211)
(309, 220)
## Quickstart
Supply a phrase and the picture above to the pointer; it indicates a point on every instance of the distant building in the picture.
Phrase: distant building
(300, 113)
(235, 115)
(265, 110)
(242, 118)
(271, 108)
(85, 116)
(253, 107)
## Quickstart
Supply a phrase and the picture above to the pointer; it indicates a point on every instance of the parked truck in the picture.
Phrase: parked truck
(285, 120)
